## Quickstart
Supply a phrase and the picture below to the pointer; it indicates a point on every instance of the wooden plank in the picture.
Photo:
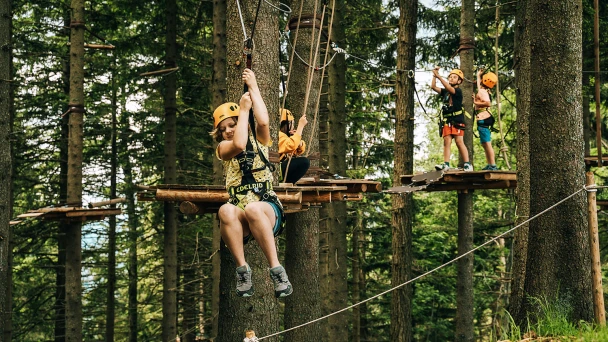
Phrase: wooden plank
(93, 212)
(108, 202)
(500, 176)
(12, 223)
(26, 215)
(472, 186)
(213, 196)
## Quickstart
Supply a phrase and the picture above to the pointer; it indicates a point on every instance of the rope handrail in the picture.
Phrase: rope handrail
(584, 188)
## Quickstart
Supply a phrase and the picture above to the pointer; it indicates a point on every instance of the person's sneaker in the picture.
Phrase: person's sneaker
(282, 286)
(244, 286)
(490, 168)
(468, 167)
(442, 167)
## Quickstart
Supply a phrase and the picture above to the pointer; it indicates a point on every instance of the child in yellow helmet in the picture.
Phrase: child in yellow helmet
(484, 117)
(253, 210)
(291, 147)
(453, 117)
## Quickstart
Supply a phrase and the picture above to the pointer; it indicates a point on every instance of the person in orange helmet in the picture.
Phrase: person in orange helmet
(452, 126)
(253, 210)
(291, 147)
(485, 120)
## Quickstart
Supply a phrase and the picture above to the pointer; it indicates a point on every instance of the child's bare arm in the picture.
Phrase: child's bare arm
(259, 107)
(433, 81)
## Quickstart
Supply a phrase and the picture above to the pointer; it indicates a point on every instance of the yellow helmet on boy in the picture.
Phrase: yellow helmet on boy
(225, 111)
(458, 73)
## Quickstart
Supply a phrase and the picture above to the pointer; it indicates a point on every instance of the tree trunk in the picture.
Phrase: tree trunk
(73, 282)
(402, 217)
(132, 267)
(170, 232)
(558, 261)
(587, 114)
(337, 222)
(6, 167)
(357, 274)
(219, 97)
(302, 230)
(259, 312)
(110, 309)
(520, 238)
(464, 289)
(59, 308)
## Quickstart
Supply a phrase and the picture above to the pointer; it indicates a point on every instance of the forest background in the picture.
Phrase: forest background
(125, 108)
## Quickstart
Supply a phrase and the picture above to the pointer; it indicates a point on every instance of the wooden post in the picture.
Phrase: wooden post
(598, 115)
(596, 267)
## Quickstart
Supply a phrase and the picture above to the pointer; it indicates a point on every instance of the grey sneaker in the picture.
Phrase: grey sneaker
(468, 167)
(244, 286)
(442, 167)
(282, 286)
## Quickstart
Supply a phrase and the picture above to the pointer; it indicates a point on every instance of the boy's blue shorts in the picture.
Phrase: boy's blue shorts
(484, 133)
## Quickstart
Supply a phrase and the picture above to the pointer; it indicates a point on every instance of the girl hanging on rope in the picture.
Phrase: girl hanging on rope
(484, 118)
(253, 210)
(291, 147)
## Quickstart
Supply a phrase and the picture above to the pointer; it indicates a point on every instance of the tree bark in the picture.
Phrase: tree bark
(337, 220)
(73, 282)
(59, 314)
(110, 309)
(558, 262)
(402, 213)
(170, 224)
(219, 97)
(302, 230)
(464, 290)
(520, 238)
(6, 167)
(259, 312)
(586, 113)
(132, 264)
(357, 274)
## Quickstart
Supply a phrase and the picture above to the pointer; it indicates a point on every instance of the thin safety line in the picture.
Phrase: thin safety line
(238, 5)
(431, 271)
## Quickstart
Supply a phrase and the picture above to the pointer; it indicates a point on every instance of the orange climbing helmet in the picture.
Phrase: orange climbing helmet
(286, 115)
(458, 73)
(489, 79)
(225, 111)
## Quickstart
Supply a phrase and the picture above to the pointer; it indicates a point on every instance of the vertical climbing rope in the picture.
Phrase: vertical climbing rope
(503, 147)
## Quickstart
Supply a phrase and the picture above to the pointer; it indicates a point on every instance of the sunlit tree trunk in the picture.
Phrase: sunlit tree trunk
(402, 213)
(73, 282)
(337, 219)
(464, 287)
(302, 230)
(520, 237)
(558, 259)
(259, 312)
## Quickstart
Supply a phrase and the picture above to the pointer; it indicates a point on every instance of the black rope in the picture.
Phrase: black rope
(416, 90)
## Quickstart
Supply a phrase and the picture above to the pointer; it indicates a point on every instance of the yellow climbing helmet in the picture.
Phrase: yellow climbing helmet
(489, 80)
(458, 73)
(225, 111)
(286, 115)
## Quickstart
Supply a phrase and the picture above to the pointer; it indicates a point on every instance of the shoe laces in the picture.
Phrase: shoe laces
(279, 277)
(243, 278)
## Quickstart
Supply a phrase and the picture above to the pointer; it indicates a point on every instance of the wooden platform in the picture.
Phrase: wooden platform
(307, 193)
(456, 180)
(592, 160)
(68, 213)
